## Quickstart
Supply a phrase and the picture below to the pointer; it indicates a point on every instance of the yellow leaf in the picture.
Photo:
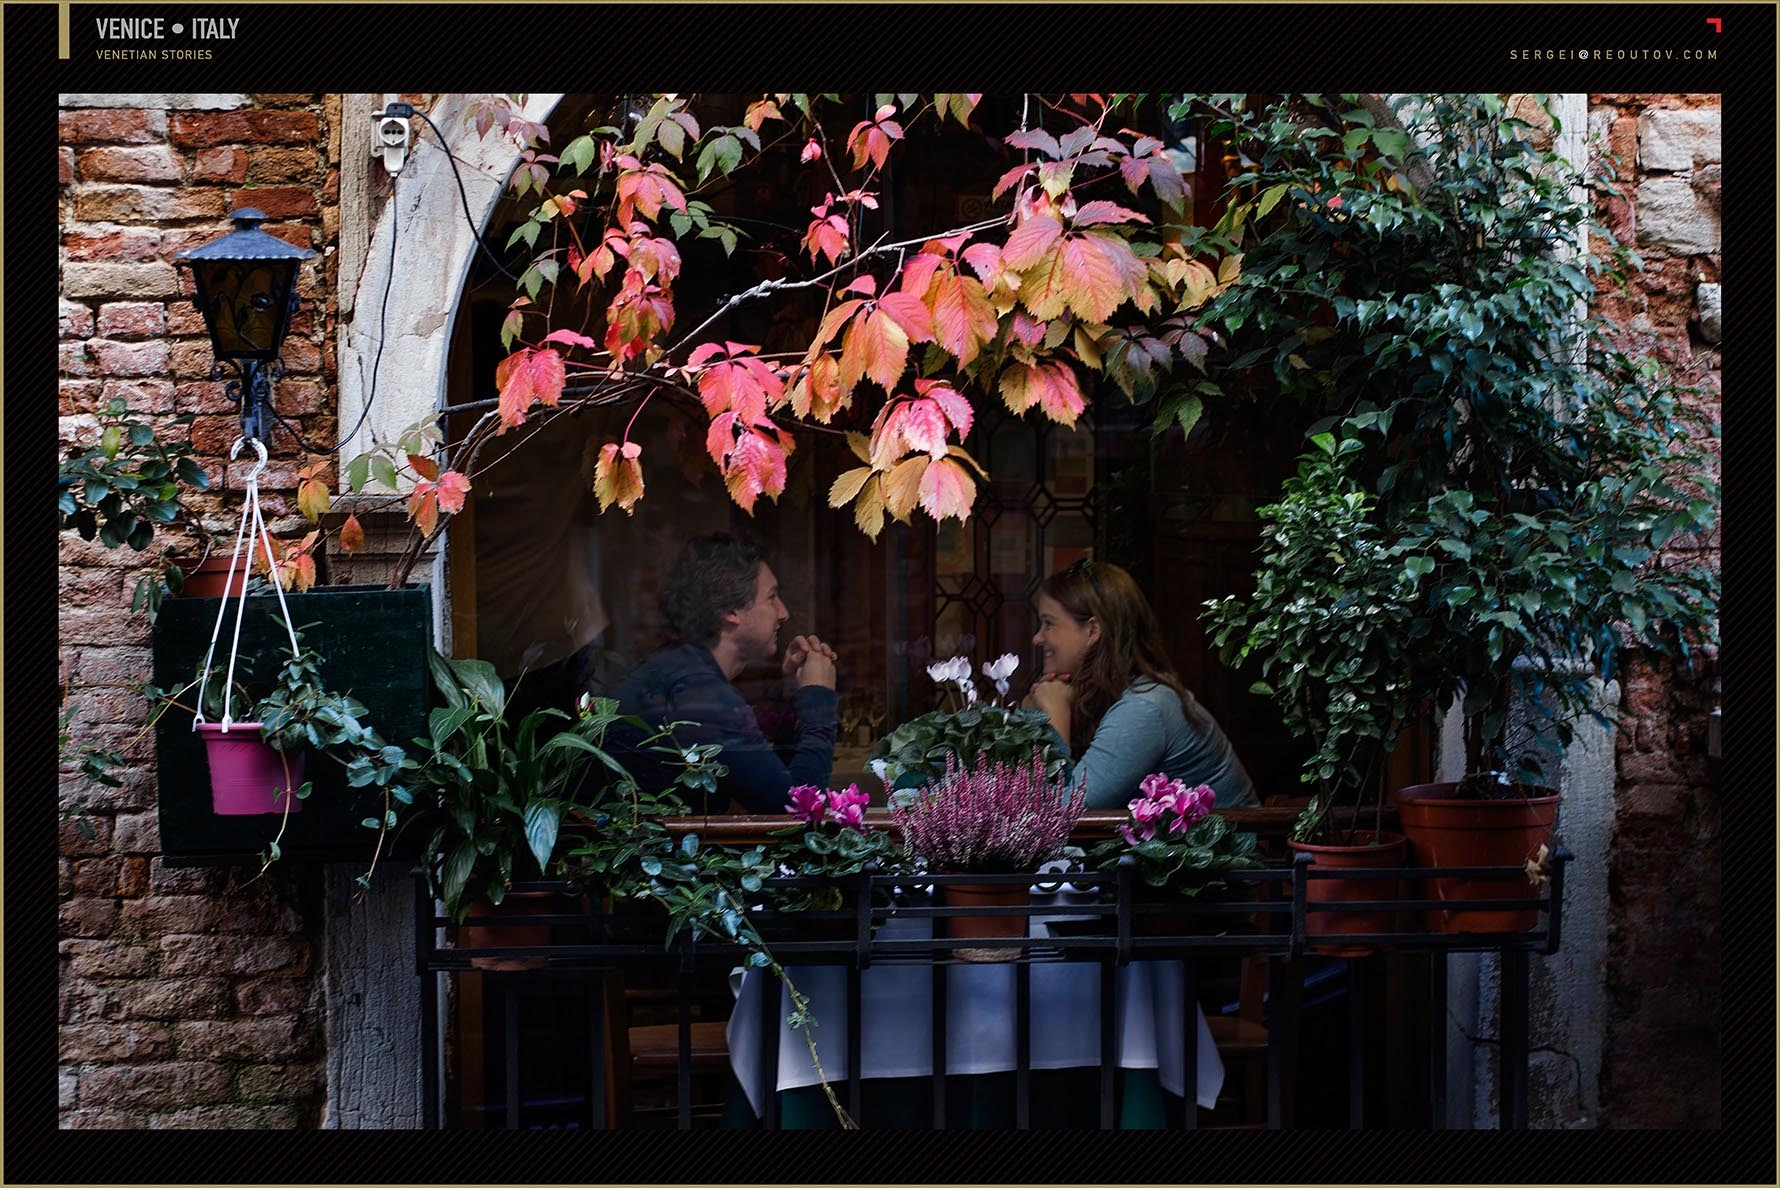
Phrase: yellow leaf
(902, 487)
(860, 444)
(312, 499)
(868, 512)
(1229, 269)
(848, 485)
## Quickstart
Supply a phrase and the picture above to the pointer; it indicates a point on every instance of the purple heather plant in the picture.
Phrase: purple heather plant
(989, 817)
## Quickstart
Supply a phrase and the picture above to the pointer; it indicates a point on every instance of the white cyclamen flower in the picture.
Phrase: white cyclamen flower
(1000, 669)
(881, 769)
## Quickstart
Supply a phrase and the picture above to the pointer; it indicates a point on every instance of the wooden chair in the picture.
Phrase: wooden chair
(643, 1065)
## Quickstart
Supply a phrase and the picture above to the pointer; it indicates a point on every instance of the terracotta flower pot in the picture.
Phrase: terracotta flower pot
(986, 895)
(1447, 832)
(1387, 852)
(505, 927)
(210, 578)
(248, 777)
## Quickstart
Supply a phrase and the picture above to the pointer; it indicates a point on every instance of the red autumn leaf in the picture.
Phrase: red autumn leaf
(425, 467)
(834, 319)
(423, 507)
(571, 338)
(525, 376)
(956, 408)
(1030, 241)
(638, 314)
(871, 138)
(1106, 212)
(657, 259)
(911, 313)
(811, 150)
(352, 535)
(731, 378)
(947, 490)
(453, 486)
(1050, 384)
(756, 467)
(828, 236)
(618, 475)
(963, 319)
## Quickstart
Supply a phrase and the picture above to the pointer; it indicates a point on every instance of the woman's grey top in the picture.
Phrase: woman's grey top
(1146, 731)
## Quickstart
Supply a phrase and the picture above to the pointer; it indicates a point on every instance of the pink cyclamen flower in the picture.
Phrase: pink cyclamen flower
(1335, 202)
(1133, 837)
(808, 802)
(848, 807)
(1145, 811)
(1193, 805)
(1154, 785)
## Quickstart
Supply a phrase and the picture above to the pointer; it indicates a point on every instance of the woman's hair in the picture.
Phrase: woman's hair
(1130, 644)
(713, 574)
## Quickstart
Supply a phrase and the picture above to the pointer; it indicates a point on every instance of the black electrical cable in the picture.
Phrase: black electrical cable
(464, 197)
(382, 335)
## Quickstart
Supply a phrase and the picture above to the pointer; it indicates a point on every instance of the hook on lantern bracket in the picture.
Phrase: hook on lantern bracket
(253, 392)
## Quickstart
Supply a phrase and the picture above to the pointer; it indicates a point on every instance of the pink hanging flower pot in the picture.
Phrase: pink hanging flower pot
(248, 777)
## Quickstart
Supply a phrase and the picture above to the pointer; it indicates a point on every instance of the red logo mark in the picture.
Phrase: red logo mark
(1717, 24)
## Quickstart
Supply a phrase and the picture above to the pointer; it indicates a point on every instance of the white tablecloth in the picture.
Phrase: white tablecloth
(897, 1005)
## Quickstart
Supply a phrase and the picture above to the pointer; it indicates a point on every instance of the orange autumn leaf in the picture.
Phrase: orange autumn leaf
(425, 467)
(352, 535)
(423, 506)
(618, 475)
(730, 378)
(817, 391)
(1049, 384)
(963, 319)
(312, 498)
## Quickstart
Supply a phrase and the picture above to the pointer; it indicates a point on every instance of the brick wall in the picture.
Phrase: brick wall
(1662, 971)
(188, 997)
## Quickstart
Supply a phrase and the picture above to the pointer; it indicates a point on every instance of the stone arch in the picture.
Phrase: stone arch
(433, 248)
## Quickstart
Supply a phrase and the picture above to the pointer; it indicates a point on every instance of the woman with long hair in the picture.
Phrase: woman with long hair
(1108, 686)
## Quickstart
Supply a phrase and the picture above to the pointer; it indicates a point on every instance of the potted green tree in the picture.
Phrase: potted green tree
(1413, 271)
(1331, 623)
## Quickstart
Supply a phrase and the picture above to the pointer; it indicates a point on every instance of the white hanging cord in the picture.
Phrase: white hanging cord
(250, 515)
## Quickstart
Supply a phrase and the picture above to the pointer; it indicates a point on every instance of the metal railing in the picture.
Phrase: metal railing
(1111, 921)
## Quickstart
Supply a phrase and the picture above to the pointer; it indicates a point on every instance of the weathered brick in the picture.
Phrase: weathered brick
(132, 319)
(117, 244)
(96, 876)
(1672, 216)
(165, 879)
(169, 999)
(143, 396)
(205, 129)
(110, 958)
(73, 320)
(64, 878)
(279, 1082)
(88, 626)
(184, 320)
(273, 166)
(145, 204)
(154, 163)
(73, 841)
(275, 996)
(67, 1087)
(191, 359)
(79, 396)
(89, 587)
(132, 875)
(136, 281)
(228, 1117)
(87, 917)
(75, 793)
(128, 358)
(102, 1119)
(112, 126)
(282, 1037)
(137, 833)
(232, 954)
(203, 396)
(64, 166)
(276, 202)
(301, 357)
(165, 1085)
(220, 165)
(1671, 140)
(162, 915)
(111, 1043)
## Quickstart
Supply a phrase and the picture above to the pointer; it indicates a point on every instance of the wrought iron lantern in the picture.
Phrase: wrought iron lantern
(247, 290)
